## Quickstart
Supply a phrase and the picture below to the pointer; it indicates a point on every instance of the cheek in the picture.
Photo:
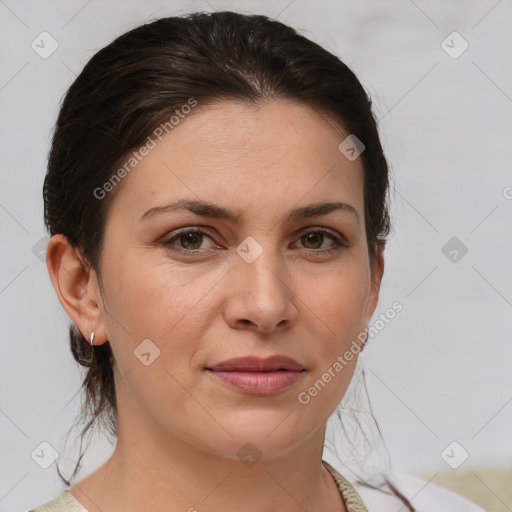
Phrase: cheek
(339, 300)
(339, 297)
(158, 300)
(170, 307)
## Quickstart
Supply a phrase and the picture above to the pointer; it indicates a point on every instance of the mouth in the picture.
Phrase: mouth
(257, 376)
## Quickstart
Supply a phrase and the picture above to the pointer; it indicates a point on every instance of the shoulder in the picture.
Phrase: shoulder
(424, 496)
(65, 502)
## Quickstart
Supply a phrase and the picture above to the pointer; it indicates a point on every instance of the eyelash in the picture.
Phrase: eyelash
(339, 244)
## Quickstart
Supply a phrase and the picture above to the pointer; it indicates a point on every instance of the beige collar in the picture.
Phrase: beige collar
(353, 501)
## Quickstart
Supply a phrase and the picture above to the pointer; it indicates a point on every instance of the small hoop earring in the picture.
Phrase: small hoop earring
(91, 339)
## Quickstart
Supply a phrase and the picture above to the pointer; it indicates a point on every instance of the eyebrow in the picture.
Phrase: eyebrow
(206, 209)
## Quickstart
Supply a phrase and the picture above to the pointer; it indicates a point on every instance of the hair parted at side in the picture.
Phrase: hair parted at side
(134, 84)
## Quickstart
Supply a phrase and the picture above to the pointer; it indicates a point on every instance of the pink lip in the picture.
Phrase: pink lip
(258, 364)
(257, 376)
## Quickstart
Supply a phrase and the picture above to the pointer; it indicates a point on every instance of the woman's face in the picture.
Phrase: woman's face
(258, 282)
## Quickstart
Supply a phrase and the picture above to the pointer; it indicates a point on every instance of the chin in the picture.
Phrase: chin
(255, 438)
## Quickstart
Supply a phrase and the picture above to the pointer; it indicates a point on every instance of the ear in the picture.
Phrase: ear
(77, 288)
(377, 272)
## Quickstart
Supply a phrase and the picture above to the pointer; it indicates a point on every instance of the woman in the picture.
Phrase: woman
(217, 199)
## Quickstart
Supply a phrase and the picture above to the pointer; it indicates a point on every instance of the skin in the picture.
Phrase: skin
(180, 428)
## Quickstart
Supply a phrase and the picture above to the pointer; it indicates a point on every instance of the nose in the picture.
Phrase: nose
(261, 296)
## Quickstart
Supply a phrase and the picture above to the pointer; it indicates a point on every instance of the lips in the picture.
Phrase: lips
(257, 364)
(257, 376)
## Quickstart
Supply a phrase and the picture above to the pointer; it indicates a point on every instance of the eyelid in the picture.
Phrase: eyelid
(166, 240)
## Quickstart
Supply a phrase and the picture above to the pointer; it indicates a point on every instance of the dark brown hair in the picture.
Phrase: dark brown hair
(133, 85)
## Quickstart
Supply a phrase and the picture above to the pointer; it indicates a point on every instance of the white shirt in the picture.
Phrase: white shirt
(424, 496)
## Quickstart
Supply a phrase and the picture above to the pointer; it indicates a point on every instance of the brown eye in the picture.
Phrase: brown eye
(187, 242)
(314, 238)
(313, 241)
(191, 240)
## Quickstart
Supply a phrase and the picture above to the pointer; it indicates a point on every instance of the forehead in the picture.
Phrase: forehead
(261, 155)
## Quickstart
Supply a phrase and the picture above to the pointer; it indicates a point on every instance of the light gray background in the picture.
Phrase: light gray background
(441, 370)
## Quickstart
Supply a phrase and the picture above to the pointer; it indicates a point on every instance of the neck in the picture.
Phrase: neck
(157, 472)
